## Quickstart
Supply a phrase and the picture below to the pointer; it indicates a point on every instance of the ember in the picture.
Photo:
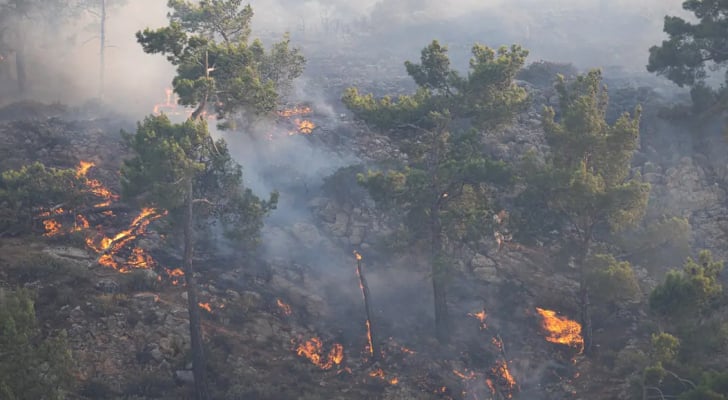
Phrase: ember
(501, 371)
(379, 373)
(313, 350)
(205, 306)
(561, 330)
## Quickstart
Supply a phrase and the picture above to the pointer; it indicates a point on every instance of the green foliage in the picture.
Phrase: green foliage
(31, 366)
(665, 347)
(612, 281)
(690, 292)
(26, 192)
(216, 64)
(691, 47)
(488, 94)
(168, 154)
(713, 386)
(586, 179)
(544, 73)
(659, 243)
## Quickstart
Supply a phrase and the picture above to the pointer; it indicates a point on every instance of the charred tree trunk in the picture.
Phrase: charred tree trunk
(439, 278)
(367, 307)
(102, 48)
(198, 355)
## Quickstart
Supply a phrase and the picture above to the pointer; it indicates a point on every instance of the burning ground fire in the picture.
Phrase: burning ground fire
(114, 251)
(561, 330)
(313, 350)
(303, 126)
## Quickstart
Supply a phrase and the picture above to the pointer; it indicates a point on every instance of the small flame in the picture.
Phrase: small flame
(480, 316)
(501, 370)
(285, 308)
(379, 373)
(357, 255)
(313, 350)
(463, 376)
(304, 126)
(52, 227)
(205, 306)
(302, 110)
(561, 330)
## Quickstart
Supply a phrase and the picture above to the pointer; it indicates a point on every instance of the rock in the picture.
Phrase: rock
(250, 299)
(184, 377)
(481, 261)
(487, 274)
(107, 285)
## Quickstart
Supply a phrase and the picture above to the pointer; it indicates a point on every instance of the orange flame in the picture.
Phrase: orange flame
(304, 126)
(285, 308)
(379, 373)
(480, 316)
(205, 306)
(313, 350)
(52, 227)
(561, 330)
(501, 370)
(287, 113)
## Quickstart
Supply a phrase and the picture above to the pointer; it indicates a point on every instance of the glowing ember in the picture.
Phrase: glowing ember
(285, 308)
(561, 330)
(406, 350)
(174, 275)
(379, 373)
(52, 227)
(81, 223)
(313, 350)
(480, 316)
(464, 376)
(205, 306)
(501, 370)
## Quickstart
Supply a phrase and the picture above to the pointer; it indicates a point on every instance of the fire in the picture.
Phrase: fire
(52, 227)
(288, 113)
(285, 308)
(480, 316)
(174, 275)
(502, 372)
(304, 126)
(379, 373)
(205, 306)
(369, 338)
(83, 168)
(561, 330)
(464, 376)
(313, 350)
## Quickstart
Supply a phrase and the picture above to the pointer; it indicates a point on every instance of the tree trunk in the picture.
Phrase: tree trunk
(584, 303)
(373, 347)
(198, 355)
(102, 49)
(439, 278)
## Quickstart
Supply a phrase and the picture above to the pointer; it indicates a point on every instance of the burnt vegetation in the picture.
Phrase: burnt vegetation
(472, 225)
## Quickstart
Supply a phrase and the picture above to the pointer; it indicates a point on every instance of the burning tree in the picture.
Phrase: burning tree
(216, 65)
(586, 181)
(442, 189)
(180, 168)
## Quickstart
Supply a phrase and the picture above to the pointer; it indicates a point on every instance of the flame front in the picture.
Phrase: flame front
(561, 330)
(313, 350)
(292, 112)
